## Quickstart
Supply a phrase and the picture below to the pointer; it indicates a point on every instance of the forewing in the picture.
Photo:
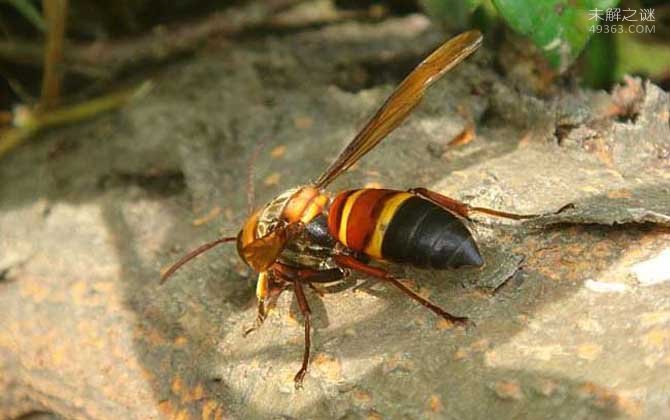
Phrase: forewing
(402, 101)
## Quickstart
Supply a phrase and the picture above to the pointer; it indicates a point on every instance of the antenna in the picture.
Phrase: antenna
(188, 257)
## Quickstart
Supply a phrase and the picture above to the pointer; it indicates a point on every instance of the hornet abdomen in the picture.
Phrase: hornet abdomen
(401, 227)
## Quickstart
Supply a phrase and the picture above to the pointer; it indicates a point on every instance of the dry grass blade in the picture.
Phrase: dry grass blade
(31, 122)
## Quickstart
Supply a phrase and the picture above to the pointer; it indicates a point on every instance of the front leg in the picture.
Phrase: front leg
(267, 294)
(260, 318)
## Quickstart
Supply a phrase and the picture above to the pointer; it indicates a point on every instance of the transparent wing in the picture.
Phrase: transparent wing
(402, 101)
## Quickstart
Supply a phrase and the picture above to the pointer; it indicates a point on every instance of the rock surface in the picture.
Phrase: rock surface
(90, 214)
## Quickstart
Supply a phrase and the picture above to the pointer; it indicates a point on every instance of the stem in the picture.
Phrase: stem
(55, 12)
(35, 122)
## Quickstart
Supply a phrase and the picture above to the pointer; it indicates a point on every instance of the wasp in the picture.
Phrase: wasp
(305, 235)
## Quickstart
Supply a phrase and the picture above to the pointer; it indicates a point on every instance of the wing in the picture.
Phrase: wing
(402, 101)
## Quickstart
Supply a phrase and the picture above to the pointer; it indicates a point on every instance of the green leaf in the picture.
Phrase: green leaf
(599, 57)
(455, 13)
(641, 57)
(560, 28)
(30, 12)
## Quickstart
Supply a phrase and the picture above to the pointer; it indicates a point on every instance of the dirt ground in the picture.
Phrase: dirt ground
(572, 311)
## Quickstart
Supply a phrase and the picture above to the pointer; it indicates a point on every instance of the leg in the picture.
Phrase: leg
(260, 318)
(306, 275)
(306, 313)
(463, 209)
(316, 289)
(298, 276)
(267, 293)
(326, 276)
(354, 264)
(309, 276)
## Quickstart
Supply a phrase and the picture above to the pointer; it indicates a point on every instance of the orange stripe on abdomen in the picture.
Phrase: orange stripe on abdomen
(335, 212)
(362, 217)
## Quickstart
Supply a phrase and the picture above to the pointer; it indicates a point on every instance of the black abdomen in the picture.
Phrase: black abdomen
(425, 235)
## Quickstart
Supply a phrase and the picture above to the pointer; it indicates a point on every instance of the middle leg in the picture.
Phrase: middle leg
(306, 314)
(298, 277)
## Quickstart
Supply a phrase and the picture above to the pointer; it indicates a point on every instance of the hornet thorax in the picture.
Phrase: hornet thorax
(301, 210)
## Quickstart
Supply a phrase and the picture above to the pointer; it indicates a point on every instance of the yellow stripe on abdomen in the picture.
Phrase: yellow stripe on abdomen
(374, 248)
(345, 215)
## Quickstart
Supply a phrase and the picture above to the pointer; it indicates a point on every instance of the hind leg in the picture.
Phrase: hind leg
(356, 265)
(464, 209)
